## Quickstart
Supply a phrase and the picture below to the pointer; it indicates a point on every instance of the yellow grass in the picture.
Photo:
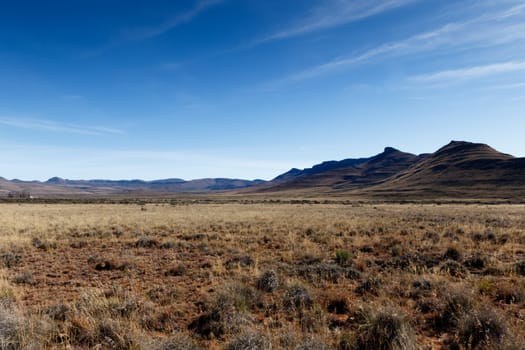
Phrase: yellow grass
(94, 259)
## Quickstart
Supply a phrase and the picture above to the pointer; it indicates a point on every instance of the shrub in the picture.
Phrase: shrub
(327, 272)
(452, 253)
(10, 259)
(225, 314)
(241, 260)
(146, 242)
(25, 278)
(455, 305)
(297, 297)
(59, 312)
(175, 342)
(342, 257)
(387, 330)
(338, 306)
(10, 324)
(476, 261)
(312, 344)
(268, 281)
(520, 268)
(485, 286)
(163, 295)
(249, 341)
(114, 336)
(371, 285)
(454, 268)
(508, 293)
(112, 264)
(481, 330)
(43, 244)
(420, 287)
(178, 270)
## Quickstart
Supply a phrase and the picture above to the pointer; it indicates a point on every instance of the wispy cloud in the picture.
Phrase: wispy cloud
(484, 31)
(181, 18)
(52, 126)
(467, 73)
(332, 14)
(513, 11)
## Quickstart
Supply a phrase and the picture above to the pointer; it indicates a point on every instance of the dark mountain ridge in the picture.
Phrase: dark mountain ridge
(459, 170)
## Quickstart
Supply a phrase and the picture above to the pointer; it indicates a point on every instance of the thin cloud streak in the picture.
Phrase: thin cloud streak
(468, 73)
(51, 126)
(151, 32)
(337, 13)
(477, 32)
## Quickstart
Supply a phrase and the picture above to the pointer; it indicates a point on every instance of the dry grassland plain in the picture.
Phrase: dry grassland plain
(262, 276)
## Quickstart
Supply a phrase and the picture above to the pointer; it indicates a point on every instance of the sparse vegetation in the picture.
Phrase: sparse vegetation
(189, 276)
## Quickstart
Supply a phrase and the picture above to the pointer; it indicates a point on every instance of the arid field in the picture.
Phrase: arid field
(262, 275)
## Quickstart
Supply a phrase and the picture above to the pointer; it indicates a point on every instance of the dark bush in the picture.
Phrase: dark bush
(420, 288)
(225, 314)
(455, 305)
(43, 244)
(371, 285)
(297, 297)
(338, 306)
(113, 336)
(312, 344)
(452, 253)
(10, 259)
(25, 278)
(268, 281)
(146, 242)
(168, 245)
(481, 330)
(175, 342)
(386, 330)
(241, 260)
(476, 261)
(249, 341)
(454, 268)
(178, 270)
(162, 295)
(520, 268)
(59, 312)
(327, 272)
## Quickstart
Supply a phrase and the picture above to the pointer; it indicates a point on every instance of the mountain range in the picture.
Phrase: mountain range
(457, 170)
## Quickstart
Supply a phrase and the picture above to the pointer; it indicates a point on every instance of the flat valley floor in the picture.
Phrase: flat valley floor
(262, 276)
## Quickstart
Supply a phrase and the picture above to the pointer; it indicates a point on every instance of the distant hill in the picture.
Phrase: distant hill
(457, 170)
(57, 186)
(460, 168)
(343, 175)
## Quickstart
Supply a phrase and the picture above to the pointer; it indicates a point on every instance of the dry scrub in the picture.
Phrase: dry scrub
(262, 276)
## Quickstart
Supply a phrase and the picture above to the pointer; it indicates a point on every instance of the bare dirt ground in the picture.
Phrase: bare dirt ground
(262, 276)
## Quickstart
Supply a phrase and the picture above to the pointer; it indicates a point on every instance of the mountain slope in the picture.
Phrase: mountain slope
(457, 170)
(343, 175)
(460, 167)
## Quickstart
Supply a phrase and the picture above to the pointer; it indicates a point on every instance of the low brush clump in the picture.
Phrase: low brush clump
(386, 330)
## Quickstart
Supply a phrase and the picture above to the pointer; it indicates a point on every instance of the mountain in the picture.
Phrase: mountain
(343, 175)
(459, 169)
(57, 186)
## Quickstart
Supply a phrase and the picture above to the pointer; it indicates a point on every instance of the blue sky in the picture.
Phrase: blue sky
(248, 88)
